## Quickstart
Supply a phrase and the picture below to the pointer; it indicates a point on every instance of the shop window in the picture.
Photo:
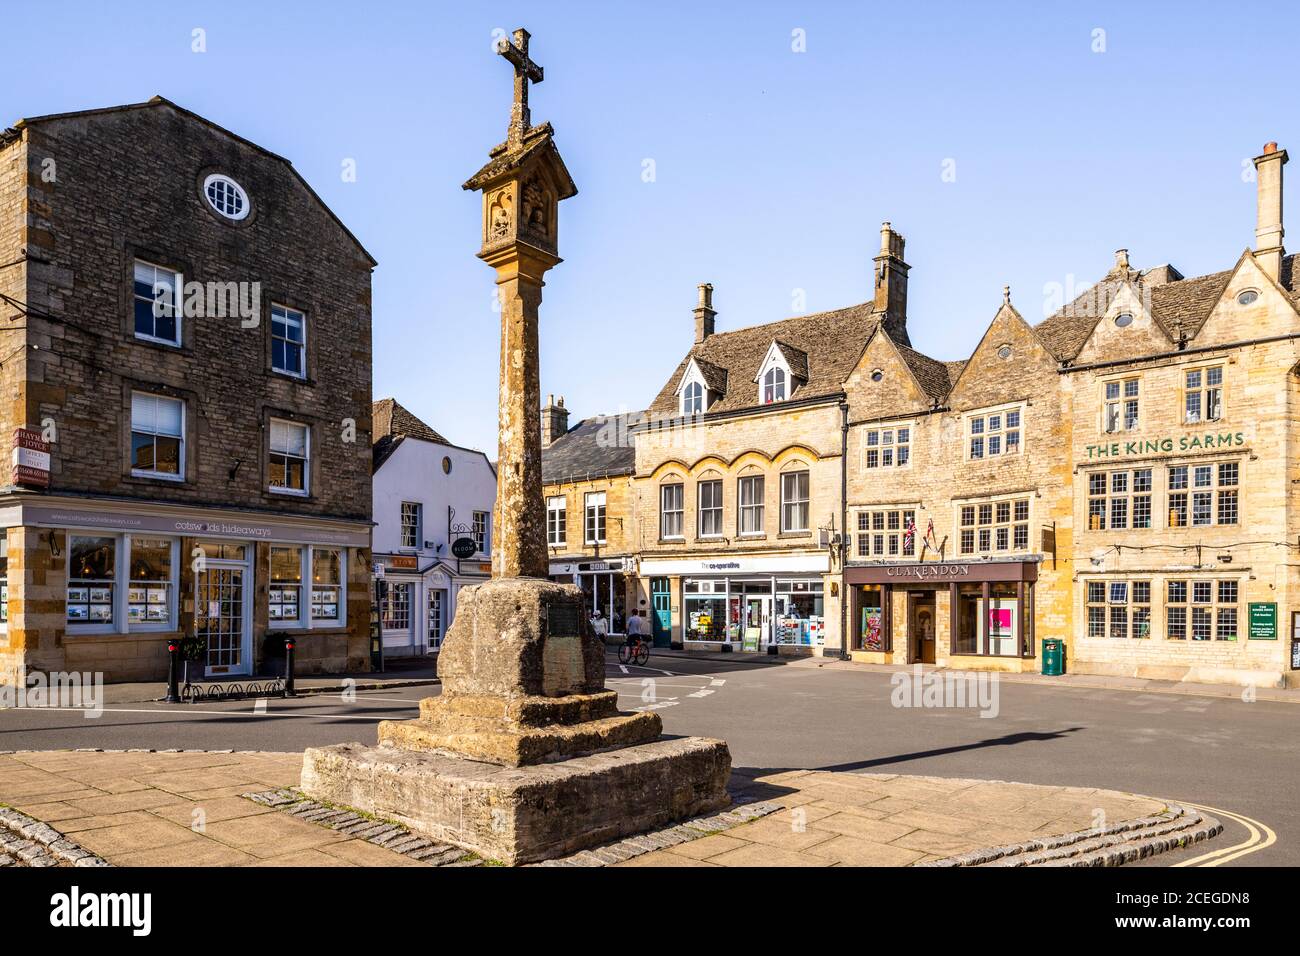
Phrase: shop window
(118, 580)
(557, 530)
(288, 341)
(1119, 609)
(968, 638)
(1203, 395)
(4, 577)
(412, 519)
(750, 516)
(800, 613)
(885, 534)
(594, 519)
(150, 590)
(709, 497)
(289, 454)
(92, 573)
(886, 447)
(156, 303)
(993, 435)
(481, 537)
(157, 436)
(1120, 412)
(1119, 499)
(794, 501)
(1203, 495)
(994, 526)
(870, 634)
(396, 609)
(326, 585)
(284, 593)
(671, 511)
(705, 604)
(1202, 609)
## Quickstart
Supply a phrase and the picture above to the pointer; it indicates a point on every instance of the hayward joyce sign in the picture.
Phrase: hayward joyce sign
(31, 459)
(1157, 446)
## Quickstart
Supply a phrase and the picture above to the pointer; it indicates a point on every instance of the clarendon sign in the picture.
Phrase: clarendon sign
(927, 570)
(1155, 446)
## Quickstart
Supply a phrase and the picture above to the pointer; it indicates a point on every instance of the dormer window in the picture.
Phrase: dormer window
(774, 385)
(693, 399)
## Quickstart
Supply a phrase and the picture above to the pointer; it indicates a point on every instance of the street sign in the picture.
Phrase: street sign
(464, 547)
(1263, 621)
(377, 569)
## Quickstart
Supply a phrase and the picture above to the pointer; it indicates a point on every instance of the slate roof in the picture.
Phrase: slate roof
(596, 447)
(830, 342)
(390, 423)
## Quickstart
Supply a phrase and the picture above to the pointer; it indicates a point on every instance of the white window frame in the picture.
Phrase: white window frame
(594, 517)
(887, 446)
(753, 507)
(882, 532)
(178, 296)
(246, 204)
(713, 510)
(121, 584)
(977, 429)
(411, 519)
(693, 398)
(678, 487)
(1115, 409)
(147, 473)
(286, 316)
(306, 619)
(774, 384)
(1204, 392)
(994, 524)
(305, 490)
(557, 521)
(482, 531)
(788, 501)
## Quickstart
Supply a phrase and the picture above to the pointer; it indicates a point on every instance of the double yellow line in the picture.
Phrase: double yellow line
(1259, 837)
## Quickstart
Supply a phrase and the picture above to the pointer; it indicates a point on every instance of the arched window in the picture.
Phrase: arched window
(774, 385)
(693, 399)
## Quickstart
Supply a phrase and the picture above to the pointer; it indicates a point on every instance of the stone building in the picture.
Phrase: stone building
(738, 483)
(429, 495)
(590, 510)
(194, 357)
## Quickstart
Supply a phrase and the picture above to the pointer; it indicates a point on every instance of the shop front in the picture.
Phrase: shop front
(417, 602)
(977, 615)
(106, 586)
(774, 604)
(608, 587)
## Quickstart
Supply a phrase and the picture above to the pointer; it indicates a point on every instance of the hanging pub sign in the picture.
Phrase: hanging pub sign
(464, 548)
(31, 459)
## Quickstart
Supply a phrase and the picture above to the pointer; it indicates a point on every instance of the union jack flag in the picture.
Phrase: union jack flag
(929, 535)
(909, 535)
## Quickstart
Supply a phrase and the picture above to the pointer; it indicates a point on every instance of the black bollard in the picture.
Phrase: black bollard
(173, 678)
(288, 668)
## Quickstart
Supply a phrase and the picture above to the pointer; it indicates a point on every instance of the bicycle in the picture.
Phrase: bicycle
(636, 651)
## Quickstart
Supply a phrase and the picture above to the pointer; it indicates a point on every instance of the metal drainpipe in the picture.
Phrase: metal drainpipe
(844, 529)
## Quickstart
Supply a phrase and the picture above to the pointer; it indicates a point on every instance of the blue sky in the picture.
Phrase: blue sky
(773, 169)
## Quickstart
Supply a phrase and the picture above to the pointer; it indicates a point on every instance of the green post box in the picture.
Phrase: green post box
(1053, 657)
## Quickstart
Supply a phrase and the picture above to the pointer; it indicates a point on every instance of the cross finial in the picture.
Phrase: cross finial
(525, 70)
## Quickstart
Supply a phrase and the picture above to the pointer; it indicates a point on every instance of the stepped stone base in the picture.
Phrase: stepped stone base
(523, 814)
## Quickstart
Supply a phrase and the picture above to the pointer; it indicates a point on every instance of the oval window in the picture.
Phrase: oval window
(226, 196)
(1247, 297)
(446, 465)
(877, 375)
(1124, 320)
(1004, 352)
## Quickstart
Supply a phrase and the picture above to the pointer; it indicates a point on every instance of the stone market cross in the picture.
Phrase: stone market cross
(525, 70)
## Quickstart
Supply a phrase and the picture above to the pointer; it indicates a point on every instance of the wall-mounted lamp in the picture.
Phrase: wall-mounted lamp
(55, 550)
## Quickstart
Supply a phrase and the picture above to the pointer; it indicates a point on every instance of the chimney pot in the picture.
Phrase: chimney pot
(1268, 209)
(1270, 147)
(704, 313)
(555, 420)
(1121, 259)
(890, 296)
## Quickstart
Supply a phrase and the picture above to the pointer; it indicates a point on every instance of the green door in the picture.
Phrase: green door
(661, 611)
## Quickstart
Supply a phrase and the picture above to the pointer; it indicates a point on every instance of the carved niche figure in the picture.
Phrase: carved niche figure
(537, 206)
(499, 215)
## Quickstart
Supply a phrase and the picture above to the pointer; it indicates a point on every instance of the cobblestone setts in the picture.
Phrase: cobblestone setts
(399, 839)
(28, 842)
(1111, 845)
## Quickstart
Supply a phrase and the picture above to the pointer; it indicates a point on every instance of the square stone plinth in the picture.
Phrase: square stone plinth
(525, 814)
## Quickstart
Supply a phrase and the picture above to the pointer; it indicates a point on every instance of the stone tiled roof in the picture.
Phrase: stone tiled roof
(796, 360)
(390, 423)
(1179, 306)
(831, 343)
(715, 377)
(596, 447)
(934, 377)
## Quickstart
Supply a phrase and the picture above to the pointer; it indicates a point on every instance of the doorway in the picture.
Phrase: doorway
(661, 612)
(222, 611)
(758, 614)
(920, 627)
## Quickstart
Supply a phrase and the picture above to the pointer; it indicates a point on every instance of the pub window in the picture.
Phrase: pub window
(794, 501)
(751, 504)
(594, 518)
(1121, 405)
(671, 511)
(709, 496)
(1203, 495)
(288, 457)
(994, 526)
(557, 531)
(886, 447)
(1119, 499)
(1203, 609)
(411, 520)
(1119, 609)
(157, 436)
(1203, 395)
(886, 533)
(995, 434)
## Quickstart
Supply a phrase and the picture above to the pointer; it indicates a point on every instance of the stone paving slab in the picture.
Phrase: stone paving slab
(190, 808)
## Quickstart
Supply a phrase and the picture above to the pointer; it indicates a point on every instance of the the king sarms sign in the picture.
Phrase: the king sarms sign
(1208, 441)
(31, 459)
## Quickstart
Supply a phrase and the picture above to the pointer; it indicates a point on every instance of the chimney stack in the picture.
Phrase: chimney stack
(555, 420)
(891, 284)
(704, 313)
(1268, 209)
